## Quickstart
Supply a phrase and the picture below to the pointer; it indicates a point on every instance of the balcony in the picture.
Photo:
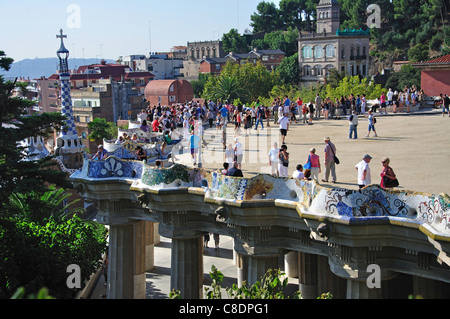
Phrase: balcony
(358, 57)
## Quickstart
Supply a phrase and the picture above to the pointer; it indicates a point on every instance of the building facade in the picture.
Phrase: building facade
(435, 75)
(331, 48)
(168, 92)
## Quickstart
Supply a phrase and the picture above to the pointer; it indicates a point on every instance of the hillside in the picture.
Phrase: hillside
(35, 68)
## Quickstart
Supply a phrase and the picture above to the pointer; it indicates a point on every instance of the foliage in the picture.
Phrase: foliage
(234, 42)
(289, 70)
(17, 173)
(267, 19)
(101, 129)
(418, 53)
(246, 82)
(35, 255)
(42, 294)
(286, 41)
(199, 85)
(37, 208)
(295, 14)
(406, 77)
(270, 286)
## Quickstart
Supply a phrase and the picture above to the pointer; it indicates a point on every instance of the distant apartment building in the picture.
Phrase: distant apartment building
(88, 76)
(271, 59)
(198, 51)
(161, 65)
(331, 48)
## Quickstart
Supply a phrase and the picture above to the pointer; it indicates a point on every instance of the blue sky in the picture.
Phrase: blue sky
(110, 29)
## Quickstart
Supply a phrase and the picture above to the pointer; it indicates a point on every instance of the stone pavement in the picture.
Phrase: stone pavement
(417, 144)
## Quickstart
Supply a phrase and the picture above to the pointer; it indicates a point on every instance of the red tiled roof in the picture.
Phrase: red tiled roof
(445, 59)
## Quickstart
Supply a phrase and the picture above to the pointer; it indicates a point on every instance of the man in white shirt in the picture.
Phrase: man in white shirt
(273, 159)
(284, 127)
(298, 173)
(353, 122)
(363, 168)
(390, 96)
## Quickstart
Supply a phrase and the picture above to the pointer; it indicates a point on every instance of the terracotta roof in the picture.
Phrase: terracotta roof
(158, 87)
(445, 59)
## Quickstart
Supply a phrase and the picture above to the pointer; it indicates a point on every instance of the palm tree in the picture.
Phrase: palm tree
(52, 203)
(227, 88)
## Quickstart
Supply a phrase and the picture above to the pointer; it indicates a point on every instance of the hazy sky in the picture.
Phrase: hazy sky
(113, 28)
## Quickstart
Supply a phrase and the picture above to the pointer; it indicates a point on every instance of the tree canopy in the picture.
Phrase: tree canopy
(17, 172)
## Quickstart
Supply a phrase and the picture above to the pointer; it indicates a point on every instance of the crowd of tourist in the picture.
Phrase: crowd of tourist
(191, 117)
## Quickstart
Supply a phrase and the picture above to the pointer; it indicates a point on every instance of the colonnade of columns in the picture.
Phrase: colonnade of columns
(131, 255)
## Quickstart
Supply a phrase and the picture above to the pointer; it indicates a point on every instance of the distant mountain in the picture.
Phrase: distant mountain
(35, 68)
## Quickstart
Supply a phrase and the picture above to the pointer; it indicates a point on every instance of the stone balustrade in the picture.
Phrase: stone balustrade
(333, 232)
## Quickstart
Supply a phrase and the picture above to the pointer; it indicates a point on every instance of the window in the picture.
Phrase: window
(307, 70)
(217, 66)
(318, 51)
(307, 53)
(318, 70)
(172, 98)
(329, 51)
(171, 88)
(342, 52)
(265, 58)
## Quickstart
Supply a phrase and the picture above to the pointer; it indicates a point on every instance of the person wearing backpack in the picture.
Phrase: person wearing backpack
(372, 122)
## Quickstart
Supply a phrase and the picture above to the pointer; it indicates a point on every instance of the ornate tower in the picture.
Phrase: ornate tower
(68, 144)
(328, 15)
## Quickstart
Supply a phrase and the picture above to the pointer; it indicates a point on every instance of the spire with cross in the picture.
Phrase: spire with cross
(63, 54)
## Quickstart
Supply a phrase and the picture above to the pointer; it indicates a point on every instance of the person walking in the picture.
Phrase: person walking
(372, 122)
(315, 164)
(195, 144)
(284, 127)
(330, 164)
(353, 123)
(318, 108)
(311, 113)
(283, 161)
(363, 169)
(273, 159)
(259, 118)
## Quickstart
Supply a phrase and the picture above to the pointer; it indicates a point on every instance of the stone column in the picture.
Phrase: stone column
(357, 289)
(187, 267)
(258, 266)
(291, 264)
(307, 276)
(149, 246)
(126, 261)
(242, 268)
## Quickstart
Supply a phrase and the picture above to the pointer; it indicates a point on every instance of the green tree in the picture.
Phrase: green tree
(407, 76)
(267, 19)
(252, 81)
(35, 255)
(286, 41)
(101, 129)
(418, 53)
(234, 42)
(289, 70)
(17, 172)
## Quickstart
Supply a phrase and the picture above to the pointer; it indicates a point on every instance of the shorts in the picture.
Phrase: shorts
(283, 132)
(194, 151)
(239, 158)
(371, 127)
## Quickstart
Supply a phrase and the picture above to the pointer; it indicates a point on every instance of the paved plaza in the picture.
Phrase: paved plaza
(417, 144)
